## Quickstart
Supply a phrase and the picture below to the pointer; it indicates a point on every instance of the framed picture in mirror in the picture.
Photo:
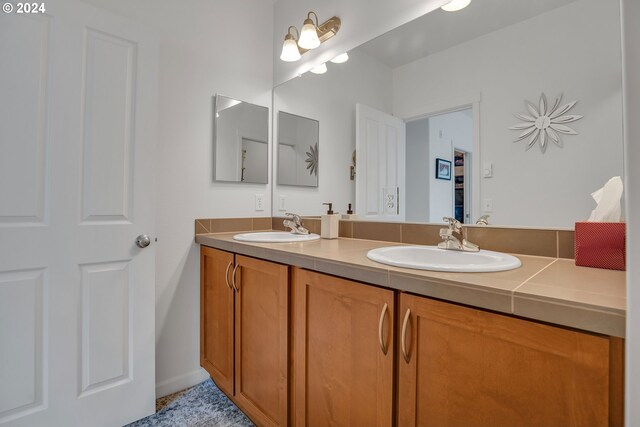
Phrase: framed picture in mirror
(443, 169)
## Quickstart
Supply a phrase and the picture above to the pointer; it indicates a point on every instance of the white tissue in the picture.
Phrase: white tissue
(608, 199)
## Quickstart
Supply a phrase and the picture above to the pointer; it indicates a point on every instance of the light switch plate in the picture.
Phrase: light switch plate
(259, 200)
(282, 203)
(487, 170)
(487, 205)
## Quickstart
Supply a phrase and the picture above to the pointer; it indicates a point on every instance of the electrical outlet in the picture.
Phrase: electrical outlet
(487, 205)
(282, 203)
(390, 195)
(259, 199)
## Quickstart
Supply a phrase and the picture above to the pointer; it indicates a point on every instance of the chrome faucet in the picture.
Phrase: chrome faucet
(453, 243)
(483, 220)
(294, 223)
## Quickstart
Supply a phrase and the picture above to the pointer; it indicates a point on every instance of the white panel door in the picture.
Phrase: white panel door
(77, 120)
(380, 165)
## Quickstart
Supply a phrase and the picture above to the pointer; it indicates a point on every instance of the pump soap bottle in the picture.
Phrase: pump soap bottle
(329, 224)
(349, 214)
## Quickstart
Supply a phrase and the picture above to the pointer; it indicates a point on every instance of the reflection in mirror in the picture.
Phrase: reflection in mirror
(298, 157)
(448, 86)
(241, 134)
(442, 146)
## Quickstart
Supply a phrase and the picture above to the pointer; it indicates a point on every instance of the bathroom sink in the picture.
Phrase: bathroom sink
(275, 237)
(436, 259)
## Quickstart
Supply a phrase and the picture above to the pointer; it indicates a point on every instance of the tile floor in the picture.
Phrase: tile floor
(203, 405)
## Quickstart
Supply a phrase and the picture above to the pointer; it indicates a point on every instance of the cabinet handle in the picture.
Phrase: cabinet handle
(226, 275)
(233, 278)
(404, 335)
(383, 314)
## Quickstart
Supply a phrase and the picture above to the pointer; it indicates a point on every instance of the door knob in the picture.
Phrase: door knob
(143, 241)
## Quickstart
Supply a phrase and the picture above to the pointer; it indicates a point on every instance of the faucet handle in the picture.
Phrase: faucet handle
(454, 224)
(294, 217)
(483, 220)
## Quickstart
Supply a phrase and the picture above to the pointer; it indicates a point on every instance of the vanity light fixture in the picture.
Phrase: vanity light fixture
(310, 37)
(290, 52)
(455, 5)
(340, 59)
(320, 69)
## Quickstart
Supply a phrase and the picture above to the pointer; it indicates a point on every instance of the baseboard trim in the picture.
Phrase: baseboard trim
(172, 385)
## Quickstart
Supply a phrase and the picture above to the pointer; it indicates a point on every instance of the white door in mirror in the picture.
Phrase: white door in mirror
(436, 259)
(380, 147)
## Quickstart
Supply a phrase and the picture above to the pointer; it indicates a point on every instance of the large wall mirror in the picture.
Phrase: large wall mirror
(240, 144)
(430, 109)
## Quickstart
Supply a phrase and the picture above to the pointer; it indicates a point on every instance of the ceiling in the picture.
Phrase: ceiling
(428, 34)
(148, 11)
(440, 30)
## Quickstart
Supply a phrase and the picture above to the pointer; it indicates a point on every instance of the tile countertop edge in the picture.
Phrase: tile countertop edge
(602, 320)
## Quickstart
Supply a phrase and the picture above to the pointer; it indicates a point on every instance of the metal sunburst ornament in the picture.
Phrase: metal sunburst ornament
(545, 123)
(312, 160)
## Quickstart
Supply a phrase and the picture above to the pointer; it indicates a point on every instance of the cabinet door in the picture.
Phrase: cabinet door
(216, 316)
(262, 340)
(464, 367)
(343, 352)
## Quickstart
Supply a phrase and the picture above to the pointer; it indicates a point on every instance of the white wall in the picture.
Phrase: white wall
(446, 132)
(331, 99)
(519, 62)
(418, 171)
(631, 41)
(207, 48)
(362, 20)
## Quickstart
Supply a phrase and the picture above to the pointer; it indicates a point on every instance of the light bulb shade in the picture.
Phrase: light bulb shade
(320, 69)
(290, 52)
(456, 5)
(309, 36)
(343, 57)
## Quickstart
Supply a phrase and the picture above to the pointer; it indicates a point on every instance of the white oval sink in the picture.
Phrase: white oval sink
(275, 237)
(436, 259)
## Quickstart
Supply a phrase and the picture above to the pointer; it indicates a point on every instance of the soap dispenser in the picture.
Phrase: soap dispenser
(329, 223)
(349, 214)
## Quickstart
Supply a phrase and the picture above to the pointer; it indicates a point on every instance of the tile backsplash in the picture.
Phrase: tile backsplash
(526, 241)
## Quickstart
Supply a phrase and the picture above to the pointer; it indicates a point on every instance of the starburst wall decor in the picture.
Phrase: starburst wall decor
(312, 159)
(545, 123)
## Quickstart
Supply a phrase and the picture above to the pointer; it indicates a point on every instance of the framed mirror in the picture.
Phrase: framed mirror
(298, 156)
(470, 113)
(241, 141)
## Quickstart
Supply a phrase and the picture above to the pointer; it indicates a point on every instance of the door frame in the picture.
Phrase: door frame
(442, 107)
(468, 158)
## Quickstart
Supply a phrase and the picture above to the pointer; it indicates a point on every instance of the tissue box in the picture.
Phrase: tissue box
(600, 245)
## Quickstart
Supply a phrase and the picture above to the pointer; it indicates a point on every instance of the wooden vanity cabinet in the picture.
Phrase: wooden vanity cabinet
(343, 352)
(244, 332)
(447, 365)
(216, 317)
(459, 366)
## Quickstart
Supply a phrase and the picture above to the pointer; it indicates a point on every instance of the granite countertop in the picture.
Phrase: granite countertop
(547, 289)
